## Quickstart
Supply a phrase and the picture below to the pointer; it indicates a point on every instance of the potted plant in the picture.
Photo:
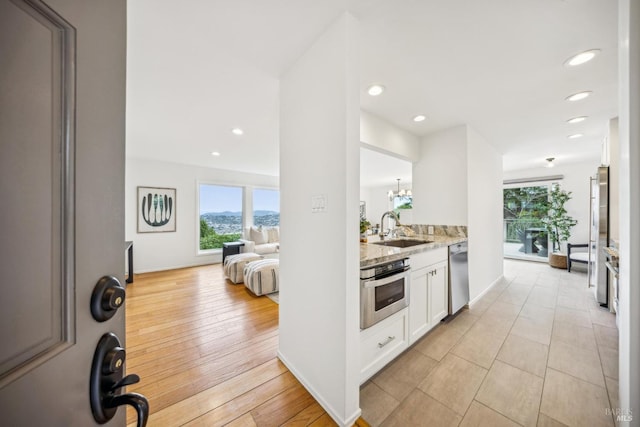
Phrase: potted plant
(364, 226)
(558, 224)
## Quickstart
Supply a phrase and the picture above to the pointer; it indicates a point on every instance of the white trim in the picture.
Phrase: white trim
(177, 267)
(326, 406)
(532, 180)
(529, 183)
(500, 279)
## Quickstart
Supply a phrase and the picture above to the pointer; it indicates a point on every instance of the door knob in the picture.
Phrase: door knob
(107, 297)
(107, 378)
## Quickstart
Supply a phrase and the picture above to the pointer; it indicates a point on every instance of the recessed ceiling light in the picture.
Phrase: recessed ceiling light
(237, 131)
(575, 136)
(419, 118)
(578, 96)
(375, 90)
(577, 119)
(582, 57)
(215, 153)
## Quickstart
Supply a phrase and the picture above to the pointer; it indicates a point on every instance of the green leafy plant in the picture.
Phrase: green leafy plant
(209, 239)
(364, 225)
(557, 222)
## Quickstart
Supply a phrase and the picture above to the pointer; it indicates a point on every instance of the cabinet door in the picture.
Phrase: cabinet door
(418, 304)
(438, 293)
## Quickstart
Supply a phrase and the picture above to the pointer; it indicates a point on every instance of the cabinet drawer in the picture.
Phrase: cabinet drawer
(381, 343)
(426, 258)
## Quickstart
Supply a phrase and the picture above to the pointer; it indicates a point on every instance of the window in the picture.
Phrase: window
(266, 207)
(220, 215)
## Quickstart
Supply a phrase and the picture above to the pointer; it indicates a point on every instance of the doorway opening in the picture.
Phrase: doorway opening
(525, 236)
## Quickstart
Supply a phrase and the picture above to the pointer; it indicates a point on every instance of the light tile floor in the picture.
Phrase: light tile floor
(536, 350)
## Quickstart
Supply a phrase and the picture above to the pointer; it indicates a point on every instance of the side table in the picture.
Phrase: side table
(231, 248)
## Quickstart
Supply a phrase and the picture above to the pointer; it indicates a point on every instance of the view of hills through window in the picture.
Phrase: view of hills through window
(266, 207)
(221, 213)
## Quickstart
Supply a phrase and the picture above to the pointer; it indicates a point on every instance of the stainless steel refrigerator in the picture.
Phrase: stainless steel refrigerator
(599, 235)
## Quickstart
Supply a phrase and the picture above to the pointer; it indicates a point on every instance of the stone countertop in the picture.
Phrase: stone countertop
(371, 254)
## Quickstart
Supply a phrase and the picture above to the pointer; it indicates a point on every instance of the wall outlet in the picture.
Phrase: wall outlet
(430, 229)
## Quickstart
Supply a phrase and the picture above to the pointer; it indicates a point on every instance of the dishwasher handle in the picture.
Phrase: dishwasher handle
(458, 248)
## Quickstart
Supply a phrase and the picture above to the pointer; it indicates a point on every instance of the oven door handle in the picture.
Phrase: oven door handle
(381, 282)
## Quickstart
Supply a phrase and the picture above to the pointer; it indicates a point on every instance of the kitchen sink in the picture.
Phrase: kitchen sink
(402, 243)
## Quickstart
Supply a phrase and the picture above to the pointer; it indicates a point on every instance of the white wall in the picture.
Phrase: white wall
(440, 179)
(458, 181)
(319, 252)
(377, 200)
(614, 180)
(576, 180)
(484, 190)
(382, 135)
(163, 251)
(629, 109)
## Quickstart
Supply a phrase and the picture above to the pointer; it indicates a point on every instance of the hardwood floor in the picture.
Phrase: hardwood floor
(205, 350)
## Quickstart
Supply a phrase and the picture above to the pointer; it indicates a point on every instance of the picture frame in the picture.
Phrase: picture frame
(156, 209)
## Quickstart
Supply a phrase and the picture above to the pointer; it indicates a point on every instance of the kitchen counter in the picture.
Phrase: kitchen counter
(371, 254)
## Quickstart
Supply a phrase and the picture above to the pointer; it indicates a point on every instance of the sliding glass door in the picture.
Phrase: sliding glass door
(525, 236)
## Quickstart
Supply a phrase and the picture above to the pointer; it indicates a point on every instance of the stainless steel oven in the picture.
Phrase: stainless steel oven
(384, 290)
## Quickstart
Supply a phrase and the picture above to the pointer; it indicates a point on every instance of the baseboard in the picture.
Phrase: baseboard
(176, 267)
(350, 421)
(483, 293)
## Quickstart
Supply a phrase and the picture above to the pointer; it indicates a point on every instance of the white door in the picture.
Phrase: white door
(62, 127)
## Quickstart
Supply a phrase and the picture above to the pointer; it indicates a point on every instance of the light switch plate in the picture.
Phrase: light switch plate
(319, 203)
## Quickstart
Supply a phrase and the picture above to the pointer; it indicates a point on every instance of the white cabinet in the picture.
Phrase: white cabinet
(381, 343)
(428, 295)
(438, 293)
(418, 304)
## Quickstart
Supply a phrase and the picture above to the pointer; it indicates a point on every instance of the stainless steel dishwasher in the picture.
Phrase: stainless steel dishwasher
(458, 277)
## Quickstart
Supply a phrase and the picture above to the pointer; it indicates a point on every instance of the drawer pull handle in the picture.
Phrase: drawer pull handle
(387, 341)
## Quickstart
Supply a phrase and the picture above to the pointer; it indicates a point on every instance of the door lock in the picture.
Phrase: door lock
(107, 379)
(107, 298)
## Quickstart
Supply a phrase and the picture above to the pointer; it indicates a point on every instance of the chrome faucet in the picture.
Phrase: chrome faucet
(395, 217)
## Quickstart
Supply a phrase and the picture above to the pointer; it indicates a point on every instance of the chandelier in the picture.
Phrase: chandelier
(399, 193)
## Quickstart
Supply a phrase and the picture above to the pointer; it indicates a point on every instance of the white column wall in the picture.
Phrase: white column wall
(319, 257)
(614, 180)
(629, 134)
(440, 179)
(484, 189)
(458, 181)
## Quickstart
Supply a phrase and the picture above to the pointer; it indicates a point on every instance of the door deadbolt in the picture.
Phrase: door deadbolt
(107, 297)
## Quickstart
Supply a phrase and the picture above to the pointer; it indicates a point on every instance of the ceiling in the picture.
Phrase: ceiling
(198, 68)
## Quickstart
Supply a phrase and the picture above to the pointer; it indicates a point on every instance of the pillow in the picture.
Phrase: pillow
(258, 235)
(272, 232)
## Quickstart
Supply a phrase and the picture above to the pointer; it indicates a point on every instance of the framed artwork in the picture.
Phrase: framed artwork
(156, 210)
